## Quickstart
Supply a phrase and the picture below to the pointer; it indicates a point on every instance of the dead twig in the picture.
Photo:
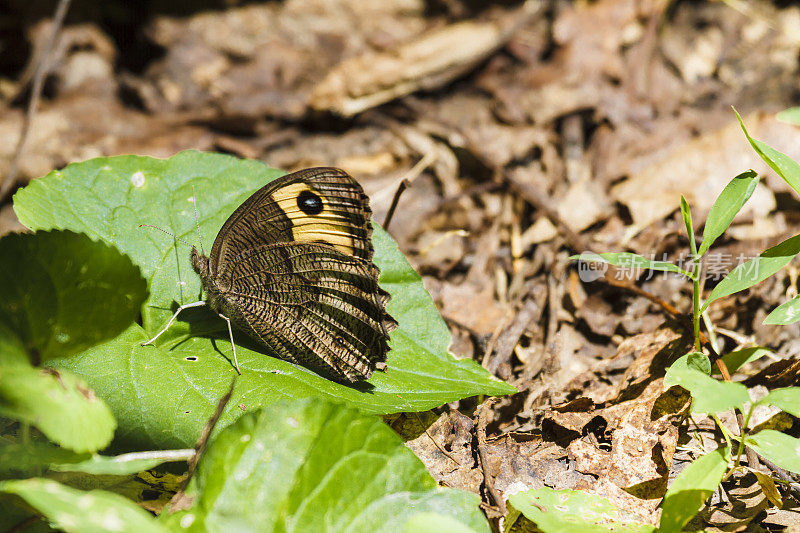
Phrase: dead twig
(405, 182)
(507, 339)
(395, 199)
(480, 432)
(180, 501)
(36, 93)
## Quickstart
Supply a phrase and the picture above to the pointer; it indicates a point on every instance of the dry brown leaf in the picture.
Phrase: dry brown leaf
(455, 466)
(744, 500)
(700, 169)
(426, 62)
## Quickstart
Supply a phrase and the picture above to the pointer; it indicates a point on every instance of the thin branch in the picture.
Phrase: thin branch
(480, 431)
(180, 500)
(406, 182)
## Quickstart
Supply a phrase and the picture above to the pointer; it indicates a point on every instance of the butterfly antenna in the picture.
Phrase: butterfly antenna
(165, 231)
(197, 221)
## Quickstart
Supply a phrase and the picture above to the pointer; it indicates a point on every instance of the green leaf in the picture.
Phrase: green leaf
(33, 458)
(787, 399)
(780, 448)
(630, 260)
(786, 167)
(708, 394)
(309, 465)
(697, 361)
(37, 457)
(435, 523)
(64, 292)
(755, 270)
(692, 360)
(125, 464)
(162, 395)
(691, 489)
(95, 511)
(12, 349)
(734, 360)
(791, 115)
(726, 206)
(59, 404)
(785, 314)
(569, 511)
(687, 221)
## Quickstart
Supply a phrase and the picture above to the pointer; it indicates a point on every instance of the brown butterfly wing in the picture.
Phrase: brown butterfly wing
(294, 264)
(311, 205)
(313, 305)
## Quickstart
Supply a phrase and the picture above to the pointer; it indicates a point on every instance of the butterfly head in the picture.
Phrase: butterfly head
(200, 263)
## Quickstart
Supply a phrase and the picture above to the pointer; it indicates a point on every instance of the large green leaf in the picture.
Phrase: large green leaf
(163, 394)
(309, 465)
(59, 404)
(780, 448)
(71, 510)
(755, 270)
(62, 292)
(570, 511)
(726, 206)
(691, 488)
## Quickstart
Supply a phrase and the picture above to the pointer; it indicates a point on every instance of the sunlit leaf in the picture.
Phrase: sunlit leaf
(631, 261)
(780, 448)
(693, 486)
(570, 511)
(59, 404)
(734, 360)
(62, 292)
(791, 115)
(708, 394)
(786, 167)
(786, 399)
(309, 465)
(785, 314)
(72, 510)
(726, 206)
(755, 270)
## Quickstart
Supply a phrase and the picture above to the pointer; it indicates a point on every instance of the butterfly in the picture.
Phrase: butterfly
(292, 268)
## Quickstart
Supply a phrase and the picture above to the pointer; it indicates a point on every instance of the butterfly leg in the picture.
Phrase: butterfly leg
(171, 320)
(233, 345)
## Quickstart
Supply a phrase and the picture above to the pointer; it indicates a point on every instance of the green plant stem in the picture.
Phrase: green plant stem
(742, 436)
(696, 311)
